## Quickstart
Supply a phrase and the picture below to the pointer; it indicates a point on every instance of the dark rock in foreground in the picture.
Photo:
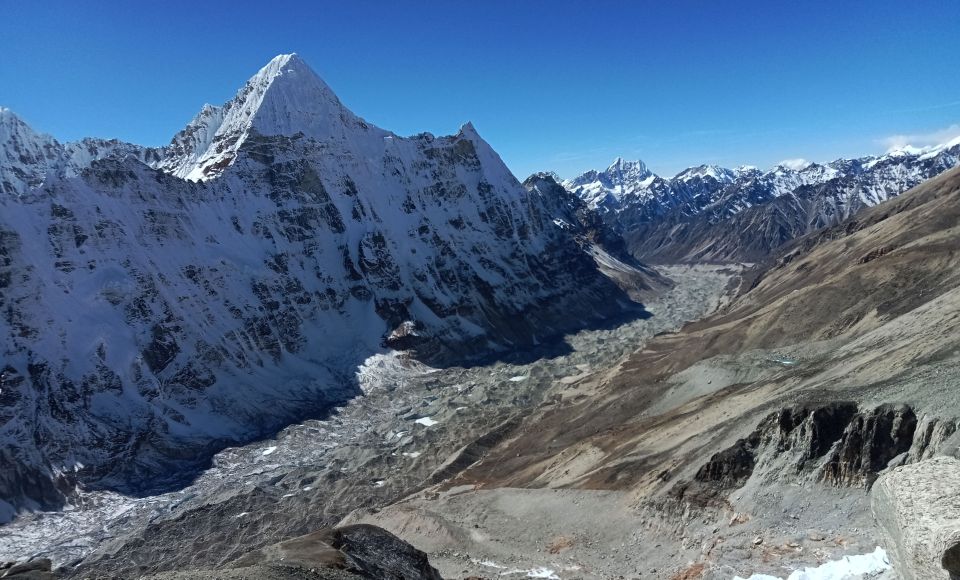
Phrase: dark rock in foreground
(360, 551)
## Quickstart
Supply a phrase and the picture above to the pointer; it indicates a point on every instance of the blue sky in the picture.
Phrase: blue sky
(562, 86)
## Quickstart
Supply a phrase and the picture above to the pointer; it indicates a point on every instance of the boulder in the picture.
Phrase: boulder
(362, 550)
(918, 509)
(36, 569)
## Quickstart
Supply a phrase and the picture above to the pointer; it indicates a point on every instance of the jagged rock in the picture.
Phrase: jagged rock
(918, 508)
(376, 553)
(869, 442)
(358, 551)
(931, 437)
(37, 569)
(836, 442)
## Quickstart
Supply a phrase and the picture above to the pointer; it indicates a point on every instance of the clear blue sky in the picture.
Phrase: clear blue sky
(555, 85)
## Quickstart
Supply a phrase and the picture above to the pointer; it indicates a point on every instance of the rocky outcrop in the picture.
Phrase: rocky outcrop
(918, 508)
(376, 553)
(365, 550)
(867, 445)
(835, 443)
(357, 551)
(36, 569)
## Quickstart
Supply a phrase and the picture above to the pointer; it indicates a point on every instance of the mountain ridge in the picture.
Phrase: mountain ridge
(149, 320)
(717, 214)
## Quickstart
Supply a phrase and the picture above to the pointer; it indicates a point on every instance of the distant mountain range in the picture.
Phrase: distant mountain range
(717, 214)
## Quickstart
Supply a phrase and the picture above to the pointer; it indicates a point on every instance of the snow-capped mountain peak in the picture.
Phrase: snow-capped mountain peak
(286, 97)
(631, 203)
(622, 179)
(720, 174)
(621, 171)
(139, 306)
(26, 156)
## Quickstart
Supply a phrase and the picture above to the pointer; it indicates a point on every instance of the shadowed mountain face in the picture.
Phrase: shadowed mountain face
(148, 320)
(710, 213)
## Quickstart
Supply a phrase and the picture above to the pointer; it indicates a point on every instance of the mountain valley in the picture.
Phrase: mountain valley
(291, 344)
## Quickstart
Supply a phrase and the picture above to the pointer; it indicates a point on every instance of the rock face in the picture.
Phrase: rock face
(594, 236)
(835, 443)
(148, 320)
(717, 214)
(36, 569)
(358, 551)
(365, 550)
(918, 508)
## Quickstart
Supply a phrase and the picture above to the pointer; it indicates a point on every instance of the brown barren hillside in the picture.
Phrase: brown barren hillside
(765, 422)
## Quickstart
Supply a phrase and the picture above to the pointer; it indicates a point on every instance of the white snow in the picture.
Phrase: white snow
(539, 572)
(629, 187)
(285, 97)
(426, 421)
(542, 573)
(269, 450)
(847, 568)
(517, 378)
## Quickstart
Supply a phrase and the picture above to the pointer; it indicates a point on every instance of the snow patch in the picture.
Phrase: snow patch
(847, 568)
(542, 573)
(539, 572)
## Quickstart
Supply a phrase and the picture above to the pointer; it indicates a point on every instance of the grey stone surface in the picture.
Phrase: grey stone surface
(918, 508)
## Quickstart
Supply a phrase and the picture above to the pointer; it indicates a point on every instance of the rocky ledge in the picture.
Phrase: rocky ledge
(918, 509)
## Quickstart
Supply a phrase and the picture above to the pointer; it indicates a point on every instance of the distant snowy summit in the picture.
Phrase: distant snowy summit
(679, 218)
(629, 183)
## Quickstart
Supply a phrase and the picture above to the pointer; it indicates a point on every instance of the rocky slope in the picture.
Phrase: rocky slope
(593, 235)
(711, 213)
(159, 304)
(743, 443)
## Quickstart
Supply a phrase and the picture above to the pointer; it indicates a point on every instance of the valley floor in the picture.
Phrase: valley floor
(580, 534)
(410, 424)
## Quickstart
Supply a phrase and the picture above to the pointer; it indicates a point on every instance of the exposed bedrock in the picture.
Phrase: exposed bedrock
(836, 443)
(918, 509)
(364, 550)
